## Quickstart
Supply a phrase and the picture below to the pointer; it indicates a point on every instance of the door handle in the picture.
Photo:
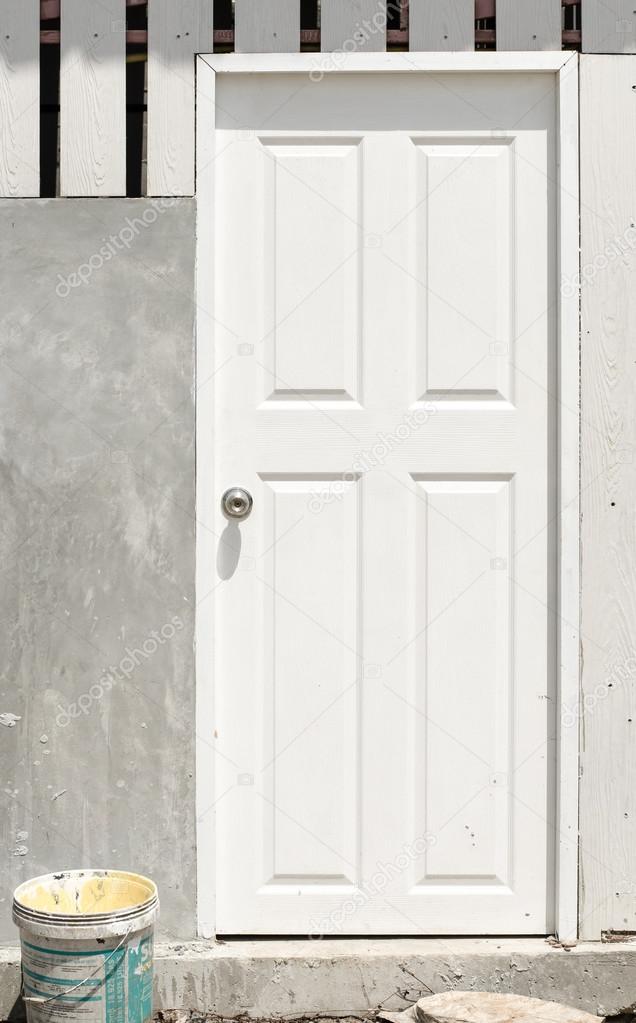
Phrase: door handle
(237, 503)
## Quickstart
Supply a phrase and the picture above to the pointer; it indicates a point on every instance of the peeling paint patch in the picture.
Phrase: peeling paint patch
(9, 720)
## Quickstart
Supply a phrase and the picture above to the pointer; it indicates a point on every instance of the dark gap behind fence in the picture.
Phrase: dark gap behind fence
(310, 22)
(136, 18)
(223, 15)
(49, 114)
(394, 15)
(136, 71)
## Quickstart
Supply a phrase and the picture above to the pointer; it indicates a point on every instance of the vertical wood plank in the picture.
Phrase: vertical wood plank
(177, 29)
(206, 364)
(568, 522)
(93, 98)
(20, 99)
(445, 26)
(352, 25)
(529, 26)
(608, 27)
(608, 495)
(267, 27)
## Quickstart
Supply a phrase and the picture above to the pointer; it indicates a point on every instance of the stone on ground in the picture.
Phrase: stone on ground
(483, 1007)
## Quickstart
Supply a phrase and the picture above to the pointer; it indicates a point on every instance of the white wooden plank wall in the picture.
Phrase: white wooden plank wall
(93, 98)
(20, 98)
(353, 25)
(446, 26)
(93, 71)
(608, 494)
(177, 29)
(608, 27)
(529, 26)
(267, 26)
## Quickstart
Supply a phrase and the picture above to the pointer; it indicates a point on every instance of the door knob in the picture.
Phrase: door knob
(237, 503)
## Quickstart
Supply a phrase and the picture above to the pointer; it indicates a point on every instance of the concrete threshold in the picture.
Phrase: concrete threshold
(357, 977)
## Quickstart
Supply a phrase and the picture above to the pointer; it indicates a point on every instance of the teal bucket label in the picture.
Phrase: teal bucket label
(140, 981)
(91, 984)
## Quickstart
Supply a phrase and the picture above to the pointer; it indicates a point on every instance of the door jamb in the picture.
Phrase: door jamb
(565, 66)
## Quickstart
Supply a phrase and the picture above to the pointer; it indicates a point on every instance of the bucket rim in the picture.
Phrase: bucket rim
(26, 914)
(79, 918)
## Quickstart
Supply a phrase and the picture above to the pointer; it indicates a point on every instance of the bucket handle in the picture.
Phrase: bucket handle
(43, 1001)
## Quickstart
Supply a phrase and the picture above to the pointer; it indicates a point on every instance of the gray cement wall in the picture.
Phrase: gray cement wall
(97, 543)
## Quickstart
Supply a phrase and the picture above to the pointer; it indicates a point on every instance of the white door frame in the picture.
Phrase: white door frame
(565, 68)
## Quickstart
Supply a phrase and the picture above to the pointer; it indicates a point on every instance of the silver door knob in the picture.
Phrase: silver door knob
(237, 503)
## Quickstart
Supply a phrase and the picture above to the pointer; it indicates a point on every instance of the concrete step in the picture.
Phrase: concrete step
(271, 979)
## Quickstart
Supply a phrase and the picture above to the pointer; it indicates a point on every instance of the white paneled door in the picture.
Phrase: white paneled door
(379, 292)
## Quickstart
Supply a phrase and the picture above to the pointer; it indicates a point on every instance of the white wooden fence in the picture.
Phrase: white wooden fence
(92, 39)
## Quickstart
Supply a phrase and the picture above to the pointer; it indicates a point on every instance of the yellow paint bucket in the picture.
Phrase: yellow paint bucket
(87, 946)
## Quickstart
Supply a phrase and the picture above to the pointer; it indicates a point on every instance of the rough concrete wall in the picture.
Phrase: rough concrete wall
(97, 544)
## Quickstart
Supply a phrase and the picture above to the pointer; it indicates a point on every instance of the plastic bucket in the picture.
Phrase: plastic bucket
(87, 946)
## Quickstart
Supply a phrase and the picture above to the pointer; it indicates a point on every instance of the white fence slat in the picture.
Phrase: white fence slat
(20, 98)
(608, 27)
(608, 493)
(93, 98)
(267, 26)
(177, 29)
(442, 26)
(352, 25)
(531, 25)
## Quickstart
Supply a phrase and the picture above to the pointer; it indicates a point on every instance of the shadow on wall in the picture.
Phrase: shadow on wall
(18, 1011)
